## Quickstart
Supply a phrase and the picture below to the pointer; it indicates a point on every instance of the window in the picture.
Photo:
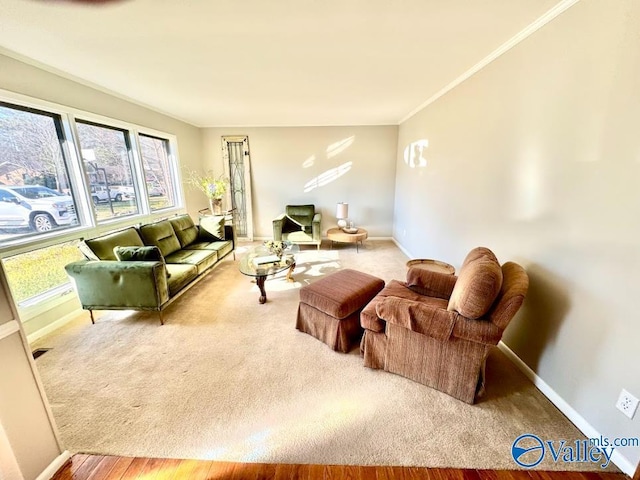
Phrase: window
(106, 155)
(157, 172)
(35, 193)
(41, 272)
(65, 175)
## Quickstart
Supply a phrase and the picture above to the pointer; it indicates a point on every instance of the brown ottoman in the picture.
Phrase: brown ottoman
(330, 308)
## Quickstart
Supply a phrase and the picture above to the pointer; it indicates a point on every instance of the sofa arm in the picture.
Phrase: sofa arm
(418, 317)
(429, 283)
(278, 225)
(120, 285)
(230, 235)
(315, 226)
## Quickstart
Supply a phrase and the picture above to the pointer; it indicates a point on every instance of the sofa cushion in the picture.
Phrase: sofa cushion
(212, 228)
(222, 248)
(185, 229)
(161, 235)
(102, 247)
(202, 259)
(181, 276)
(477, 287)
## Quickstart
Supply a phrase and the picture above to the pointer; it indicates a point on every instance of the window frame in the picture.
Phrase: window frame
(71, 150)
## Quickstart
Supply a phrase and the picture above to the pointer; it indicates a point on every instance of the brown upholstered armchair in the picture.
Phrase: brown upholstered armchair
(437, 329)
(299, 224)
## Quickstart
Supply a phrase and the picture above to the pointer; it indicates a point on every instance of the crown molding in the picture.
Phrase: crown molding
(505, 47)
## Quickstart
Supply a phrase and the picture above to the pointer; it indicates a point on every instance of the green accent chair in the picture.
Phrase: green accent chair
(299, 224)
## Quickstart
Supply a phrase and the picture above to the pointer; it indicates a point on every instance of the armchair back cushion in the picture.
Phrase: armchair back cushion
(185, 229)
(479, 252)
(161, 235)
(102, 247)
(301, 214)
(477, 287)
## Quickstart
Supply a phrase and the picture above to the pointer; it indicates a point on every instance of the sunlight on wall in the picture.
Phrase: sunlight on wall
(339, 147)
(309, 162)
(414, 153)
(529, 197)
(327, 177)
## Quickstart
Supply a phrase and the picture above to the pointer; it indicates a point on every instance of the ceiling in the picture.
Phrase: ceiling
(266, 63)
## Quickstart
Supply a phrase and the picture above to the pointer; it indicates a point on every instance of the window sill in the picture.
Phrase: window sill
(36, 306)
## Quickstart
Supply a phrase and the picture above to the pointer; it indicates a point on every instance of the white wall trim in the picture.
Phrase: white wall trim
(54, 466)
(505, 47)
(61, 322)
(9, 328)
(574, 417)
(404, 250)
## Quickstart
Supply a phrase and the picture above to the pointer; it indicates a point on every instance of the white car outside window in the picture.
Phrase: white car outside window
(32, 206)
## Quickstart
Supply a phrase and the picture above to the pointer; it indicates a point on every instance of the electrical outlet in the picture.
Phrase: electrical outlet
(627, 403)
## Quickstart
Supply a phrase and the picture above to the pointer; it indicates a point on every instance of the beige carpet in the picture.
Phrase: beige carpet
(229, 379)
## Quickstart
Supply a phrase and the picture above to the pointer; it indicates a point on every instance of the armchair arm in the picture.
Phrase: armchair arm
(315, 226)
(429, 283)
(477, 331)
(120, 285)
(418, 317)
(278, 224)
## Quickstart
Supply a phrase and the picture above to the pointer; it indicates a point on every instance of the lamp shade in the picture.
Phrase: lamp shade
(343, 210)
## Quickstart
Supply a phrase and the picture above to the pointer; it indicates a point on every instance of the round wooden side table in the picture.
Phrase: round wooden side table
(337, 235)
(433, 265)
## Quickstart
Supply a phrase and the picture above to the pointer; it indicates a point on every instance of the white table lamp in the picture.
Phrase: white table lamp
(342, 213)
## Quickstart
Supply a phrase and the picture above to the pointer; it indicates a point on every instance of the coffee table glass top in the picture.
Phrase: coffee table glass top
(249, 264)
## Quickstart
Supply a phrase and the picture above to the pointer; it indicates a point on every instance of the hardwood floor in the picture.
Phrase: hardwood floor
(99, 467)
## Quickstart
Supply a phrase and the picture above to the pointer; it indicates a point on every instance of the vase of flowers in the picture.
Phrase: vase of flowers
(214, 187)
(276, 247)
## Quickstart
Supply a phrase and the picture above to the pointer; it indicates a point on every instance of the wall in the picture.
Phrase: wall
(19, 77)
(538, 157)
(319, 165)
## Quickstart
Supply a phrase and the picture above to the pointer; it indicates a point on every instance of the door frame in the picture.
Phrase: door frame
(226, 139)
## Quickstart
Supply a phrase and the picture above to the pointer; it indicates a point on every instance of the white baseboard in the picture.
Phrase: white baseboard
(38, 334)
(578, 420)
(404, 250)
(54, 466)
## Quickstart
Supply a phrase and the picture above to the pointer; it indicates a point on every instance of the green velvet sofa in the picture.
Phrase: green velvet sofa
(185, 253)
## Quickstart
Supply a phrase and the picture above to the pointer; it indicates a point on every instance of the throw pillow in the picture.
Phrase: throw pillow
(87, 251)
(212, 228)
(477, 287)
(139, 254)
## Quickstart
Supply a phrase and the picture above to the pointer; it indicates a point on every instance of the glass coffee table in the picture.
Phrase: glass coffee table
(259, 263)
